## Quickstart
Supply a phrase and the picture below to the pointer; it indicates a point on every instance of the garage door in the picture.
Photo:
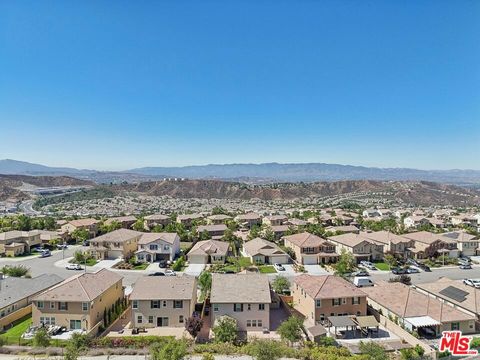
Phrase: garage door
(309, 260)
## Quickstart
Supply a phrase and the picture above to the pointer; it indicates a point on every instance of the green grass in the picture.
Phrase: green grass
(267, 269)
(382, 266)
(90, 262)
(141, 266)
(13, 334)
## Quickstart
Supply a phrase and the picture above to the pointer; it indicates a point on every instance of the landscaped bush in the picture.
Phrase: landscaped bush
(130, 341)
(179, 264)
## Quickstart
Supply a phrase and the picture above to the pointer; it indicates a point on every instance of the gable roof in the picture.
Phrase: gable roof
(263, 247)
(83, 222)
(81, 287)
(385, 237)
(148, 238)
(119, 235)
(426, 237)
(209, 247)
(164, 288)
(306, 239)
(351, 239)
(240, 288)
(327, 286)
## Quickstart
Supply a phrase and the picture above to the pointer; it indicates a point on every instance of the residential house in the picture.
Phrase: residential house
(393, 243)
(467, 244)
(158, 246)
(248, 220)
(296, 222)
(189, 219)
(274, 220)
(414, 221)
(91, 225)
(342, 229)
(243, 297)
(16, 295)
(214, 231)
(311, 249)
(79, 302)
(208, 252)
(150, 221)
(279, 230)
(361, 247)
(126, 222)
(427, 244)
(371, 213)
(218, 219)
(318, 297)
(15, 242)
(261, 251)
(163, 301)
(121, 243)
(416, 310)
(465, 220)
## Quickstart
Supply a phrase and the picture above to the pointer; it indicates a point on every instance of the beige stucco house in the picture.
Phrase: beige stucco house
(214, 231)
(163, 301)
(243, 297)
(361, 247)
(261, 251)
(249, 219)
(151, 221)
(318, 297)
(15, 242)
(311, 249)
(79, 302)
(209, 252)
(121, 243)
(158, 246)
(91, 225)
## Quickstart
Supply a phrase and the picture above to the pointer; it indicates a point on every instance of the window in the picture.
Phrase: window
(84, 306)
(75, 324)
(153, 247)
(135, 304)
(164, 303)
(238, 307)
(155, 304)
(455, 326)
(52, 305)
(356, 300)
(259, 323)
(180, 319)
(318, 303)
(62, 306)
(344, 301)
(40, 304)
(178, 304)
(139, 319)
(249, 323)
(215, 307)
(150, 319)
(254, 323)
(261, 306)
(336, 302)
(249, 307)
(47, 320)
(322, 317)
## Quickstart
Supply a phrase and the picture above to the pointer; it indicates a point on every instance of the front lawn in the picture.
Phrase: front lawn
(267, 269)
(90, 262)
(382, 266)
(140, 266)
(13, 334)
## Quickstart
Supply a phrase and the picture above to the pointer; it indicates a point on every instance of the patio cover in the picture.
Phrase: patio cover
(422, 321)
(341, 321)
(317, 330)
(367, 321)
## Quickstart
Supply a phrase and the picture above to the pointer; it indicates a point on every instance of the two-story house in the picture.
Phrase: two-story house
(362, 248)
(318, 297)
(467, 244)
(163, 301)
(189, 219)
(393, 243)
(158, 246)
(248, 220)
(214, 231)
(151, 221)
(218, 219)
(91, 225)
(79, 302)
(274, 220)
(121, 243)
(15, 242)
(427, 244)
(125, 222)
(311, 249)
(243, 297)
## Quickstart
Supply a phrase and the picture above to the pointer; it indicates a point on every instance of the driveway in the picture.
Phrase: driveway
(316, 270)
(194, 269)
(288, 271)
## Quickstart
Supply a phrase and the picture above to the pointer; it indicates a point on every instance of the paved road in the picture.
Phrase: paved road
(26, 207)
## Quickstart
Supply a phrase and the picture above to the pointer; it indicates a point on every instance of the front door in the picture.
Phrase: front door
(162, 321)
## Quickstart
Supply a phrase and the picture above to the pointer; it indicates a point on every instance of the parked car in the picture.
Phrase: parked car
(170, 273)
(361, 273)
(279, 267)
(412, 270)
(86, 243)
(465, 259)
(162, 263)
(362, 282)
(399, 271)
(158, 273)
(45, 253)
(413, 262)
(472, 282)
(466, 267)
(368, 265)
(62, 246)
(74, 267)
(424, 267)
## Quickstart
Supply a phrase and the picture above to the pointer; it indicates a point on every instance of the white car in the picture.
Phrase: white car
(170, 273)
(472, 282)
(279, 267)
(412, 270)
(74, 267)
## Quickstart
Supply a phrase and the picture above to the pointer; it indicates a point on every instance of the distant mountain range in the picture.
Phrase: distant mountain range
(254, 173)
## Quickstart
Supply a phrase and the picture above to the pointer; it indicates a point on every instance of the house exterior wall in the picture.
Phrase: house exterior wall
(176, 316)
(242, 317)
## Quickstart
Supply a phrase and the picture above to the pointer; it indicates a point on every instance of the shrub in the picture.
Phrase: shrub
(226, 330)
(179, 264)
(41, 338)
(264, 349)
(172, 350)
(208, 356)
(193, 325)
(291, 329)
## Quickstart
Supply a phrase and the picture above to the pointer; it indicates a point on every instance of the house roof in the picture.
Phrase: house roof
(351, 239)
(83, 222)
(240, 288)
(209, 247)
(384, 237)
(306, 239)
(81, 287)
(427, 237)
(344, 228)
(327, 286)
(262, 247)
(121, 219)
(157, 217)
(248, 216)
(148, 238)
(219, 227)
(275, 217)
(120, 235)
(189, 217)
(219, 217)
(14, 289)
(407, 302)
(164, 288)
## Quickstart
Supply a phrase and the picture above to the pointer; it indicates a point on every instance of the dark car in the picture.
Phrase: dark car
(162, 263)
(158, 273)
(399, 271)
(424, 267)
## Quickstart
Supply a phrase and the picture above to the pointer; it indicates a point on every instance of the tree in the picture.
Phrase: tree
(193, 325)
(71, 353)
(345, 264)
(280, 284)
(172, 350)
(139, 226)
(390, 260)
(291, 329)
(265, 350)
(373, 350)
(204, 235)
(225, 330)
(205, 283)
(16, 270)
(41, 338)
(404, 279)
(80, 235)
(268, 234)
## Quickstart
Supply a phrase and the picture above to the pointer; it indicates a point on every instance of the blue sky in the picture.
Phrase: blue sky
(121, 84)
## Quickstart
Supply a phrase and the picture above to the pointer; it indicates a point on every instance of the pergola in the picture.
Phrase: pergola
(367, 322)
(342, 322)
